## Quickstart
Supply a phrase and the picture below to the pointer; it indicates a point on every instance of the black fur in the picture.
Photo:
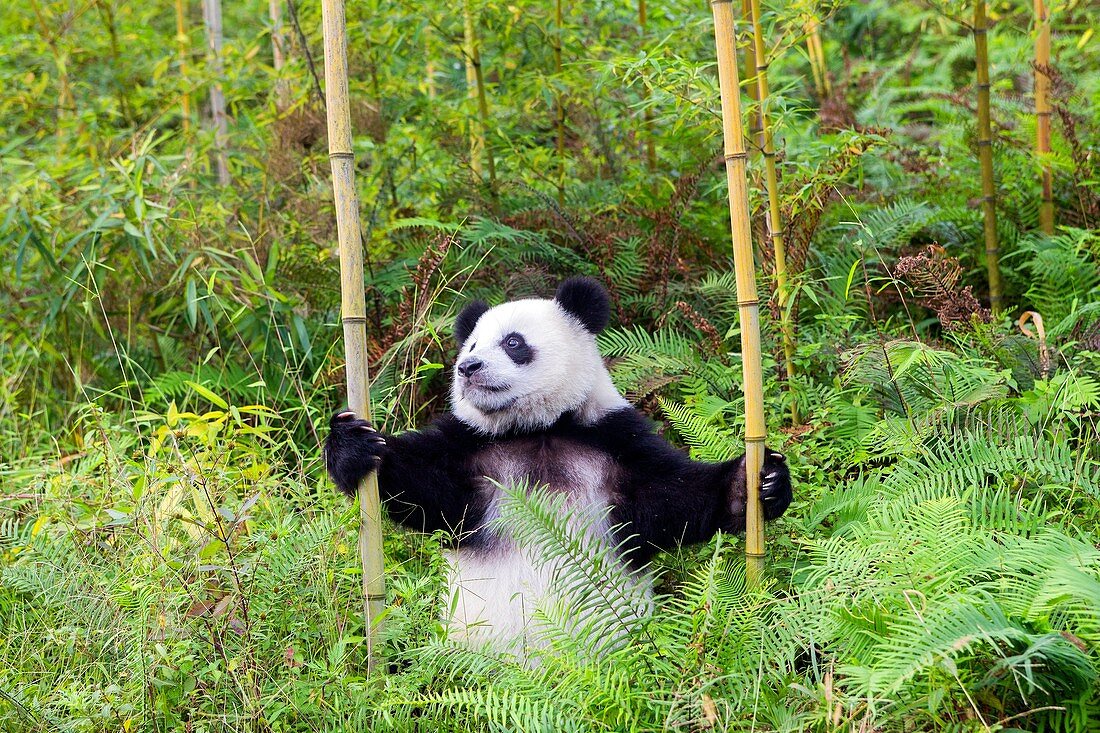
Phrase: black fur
(585, 299)
(662, 499)
(467, 319)
(522, 353)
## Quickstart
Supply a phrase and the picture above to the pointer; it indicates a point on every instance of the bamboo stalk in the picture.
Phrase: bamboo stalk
(353, 304)
(817, 68)
(745, 271)
(182, 42)
(278, 53)
(429, 63)
(475, 88)
(985, 157)
(477, 142)
(559, 103)
(1042, 113)
(647, 114)
(107, 14)
(748, 80)
(212, 15)
(775, 226)
(748, 73)
(819, 50)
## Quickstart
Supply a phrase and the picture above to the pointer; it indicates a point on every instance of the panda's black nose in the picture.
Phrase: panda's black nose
(469, 365)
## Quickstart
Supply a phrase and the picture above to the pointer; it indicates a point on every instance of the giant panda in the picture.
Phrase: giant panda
(534, 405)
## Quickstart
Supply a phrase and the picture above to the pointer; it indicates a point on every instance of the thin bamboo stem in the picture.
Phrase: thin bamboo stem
(819, 49)
(985, 158)
(278, 52)
(475, 86)
(775, 225)
(353, 307)
(745, 272)
(483, 114)
(748, 57)
(1042, 113)
(647, 114)
(477, 142)
(429, 62)
(107, 14)
(182, 51)
(559, 102)
(748, 79)
(212, 15)
(817, 65)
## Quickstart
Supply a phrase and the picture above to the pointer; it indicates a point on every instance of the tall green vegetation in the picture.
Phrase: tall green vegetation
(172, 556)
(985, 157)
(183, 45)
(475, 89)
(212, 15)
(774, 223)
(1043, 113)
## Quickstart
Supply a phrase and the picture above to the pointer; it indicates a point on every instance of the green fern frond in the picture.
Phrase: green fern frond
(709, 441)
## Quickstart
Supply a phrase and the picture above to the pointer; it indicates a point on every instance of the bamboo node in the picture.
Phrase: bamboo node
(984, 85)
(353, 319)
(755, 438)
(747, 303)
(736, 156)
(341, 155)
(988, 199)
(376, 596)
(760, 555)
(981, 31)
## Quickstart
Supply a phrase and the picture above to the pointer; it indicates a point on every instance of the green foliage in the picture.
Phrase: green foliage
(171, 556)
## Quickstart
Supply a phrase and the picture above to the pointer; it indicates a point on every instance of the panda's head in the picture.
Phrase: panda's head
(523, 364)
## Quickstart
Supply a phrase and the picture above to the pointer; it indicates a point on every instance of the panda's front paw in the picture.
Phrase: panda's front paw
(775, 485)
(352, 450)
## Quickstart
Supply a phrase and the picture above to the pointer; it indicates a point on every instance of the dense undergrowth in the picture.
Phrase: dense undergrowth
(172, 556)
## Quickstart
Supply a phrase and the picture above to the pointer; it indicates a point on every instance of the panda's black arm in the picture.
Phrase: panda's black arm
(666, 499)
(423, 479)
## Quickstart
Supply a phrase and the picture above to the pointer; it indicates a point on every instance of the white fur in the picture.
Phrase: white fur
(566, 374)
(496, 589)
(494, 596)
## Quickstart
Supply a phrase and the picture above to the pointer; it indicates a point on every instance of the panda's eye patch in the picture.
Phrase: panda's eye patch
(517, 349)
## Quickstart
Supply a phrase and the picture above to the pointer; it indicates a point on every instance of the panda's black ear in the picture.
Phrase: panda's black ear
(467, 319)
(585, 299)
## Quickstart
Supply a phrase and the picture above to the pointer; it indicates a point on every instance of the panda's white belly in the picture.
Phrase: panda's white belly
(494, 596)
(496, 588)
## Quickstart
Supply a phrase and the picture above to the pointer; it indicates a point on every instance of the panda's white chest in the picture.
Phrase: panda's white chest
(496, 585)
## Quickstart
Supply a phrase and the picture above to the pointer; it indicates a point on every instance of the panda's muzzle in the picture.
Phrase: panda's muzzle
(469, 365)
(471, 370)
